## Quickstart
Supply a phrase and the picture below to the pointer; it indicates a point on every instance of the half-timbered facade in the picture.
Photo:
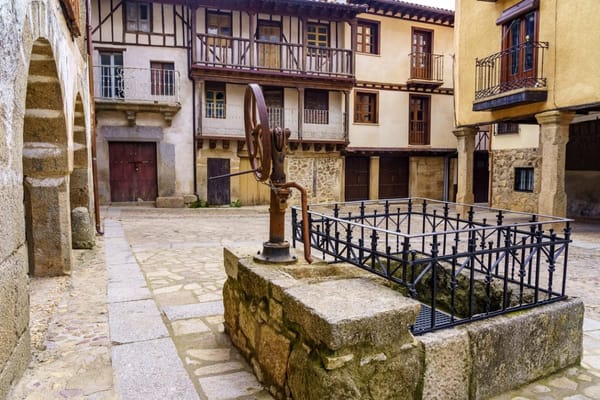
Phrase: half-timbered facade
(400, 136)
(533, 77)
(169, 85)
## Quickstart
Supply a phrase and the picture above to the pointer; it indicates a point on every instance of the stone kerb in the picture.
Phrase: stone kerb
(336, 332)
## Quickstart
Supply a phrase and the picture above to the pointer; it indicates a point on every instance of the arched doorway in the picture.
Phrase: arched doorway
(46, 167)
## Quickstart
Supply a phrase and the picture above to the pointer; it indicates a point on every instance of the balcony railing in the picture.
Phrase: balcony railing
(228, 120)
(237, 53)
(426, 67)
(517, 67)
(418, 133)
(147, 85)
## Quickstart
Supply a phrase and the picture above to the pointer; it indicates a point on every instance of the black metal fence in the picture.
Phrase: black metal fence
(461, 268)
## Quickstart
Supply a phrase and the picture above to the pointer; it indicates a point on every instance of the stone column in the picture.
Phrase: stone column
(374, 178)
(465, 137)
(554, 135)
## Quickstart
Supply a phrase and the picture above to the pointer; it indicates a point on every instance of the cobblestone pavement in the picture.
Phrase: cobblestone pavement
(178, 256)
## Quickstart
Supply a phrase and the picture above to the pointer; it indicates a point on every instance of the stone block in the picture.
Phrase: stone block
(248, 325)
(348, 312)
(8, 301)
(170, 202)
(447, 364)
(273, 353)
(16, 364)
(82, 230)
(189, 198)
(230, 304)
(518, 348)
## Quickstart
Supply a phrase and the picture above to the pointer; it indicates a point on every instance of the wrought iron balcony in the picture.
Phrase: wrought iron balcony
(426, 69)
(133, 90)
(243, 55)
(138, 85)
(510, 77)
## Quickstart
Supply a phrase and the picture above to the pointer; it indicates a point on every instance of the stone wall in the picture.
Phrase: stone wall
(319, 173)
(41, 57)
(503, 179)
(426, 177)
(321, 331)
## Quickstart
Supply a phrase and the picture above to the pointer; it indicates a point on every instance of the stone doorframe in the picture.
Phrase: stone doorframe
(165, 157)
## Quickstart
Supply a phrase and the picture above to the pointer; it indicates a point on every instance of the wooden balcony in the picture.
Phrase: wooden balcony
(426, 70)
(514, 76)
(242, 60)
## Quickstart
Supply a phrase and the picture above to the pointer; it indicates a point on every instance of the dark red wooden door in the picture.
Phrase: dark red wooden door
(357, 178)
(218, 189)
(132, 171)
(393, 177)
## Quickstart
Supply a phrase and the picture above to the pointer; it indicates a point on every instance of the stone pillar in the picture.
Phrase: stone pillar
(48, 217)
(554, 135)
(374, 178)
(465, 138)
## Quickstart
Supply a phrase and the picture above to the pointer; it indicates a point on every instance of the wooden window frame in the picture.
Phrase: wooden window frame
(375, 34)
(162, 78)
(126, 16)
(316, 117)
(211, 108)
(360, 114)
(524, 179)
(221, 42)
(413, 132)
(316, 33)
(112, 83)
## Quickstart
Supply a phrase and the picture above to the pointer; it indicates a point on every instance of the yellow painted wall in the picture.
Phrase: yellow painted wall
(570, 63)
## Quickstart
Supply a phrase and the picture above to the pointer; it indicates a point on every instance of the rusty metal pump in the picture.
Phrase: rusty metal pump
(266, 151)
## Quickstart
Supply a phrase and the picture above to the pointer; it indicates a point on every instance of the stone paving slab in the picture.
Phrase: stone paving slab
(151, 370)
(135, 321)
(126, 291)
(194, 310)
(231, 386)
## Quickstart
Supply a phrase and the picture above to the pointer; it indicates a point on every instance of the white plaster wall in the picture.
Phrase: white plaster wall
(527, 138)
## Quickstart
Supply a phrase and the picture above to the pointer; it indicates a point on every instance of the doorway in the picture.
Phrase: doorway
(132, 171)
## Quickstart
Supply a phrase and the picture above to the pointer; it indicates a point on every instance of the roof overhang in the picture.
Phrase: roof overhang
(409, 11)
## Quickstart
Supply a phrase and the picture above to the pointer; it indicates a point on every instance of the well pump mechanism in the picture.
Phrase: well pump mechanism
(266, 151)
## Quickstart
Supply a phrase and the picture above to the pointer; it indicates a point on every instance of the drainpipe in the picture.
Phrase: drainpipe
(191, 59)
(88, 29)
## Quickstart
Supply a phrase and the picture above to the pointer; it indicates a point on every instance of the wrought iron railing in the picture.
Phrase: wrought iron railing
(426, 66)
(461, 267)
(517, 67)
(418, 133)
(482, 140)
(136, 84)
(238, 53)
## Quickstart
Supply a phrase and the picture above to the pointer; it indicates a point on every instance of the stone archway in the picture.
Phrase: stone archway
(46, 167)
(79, 184)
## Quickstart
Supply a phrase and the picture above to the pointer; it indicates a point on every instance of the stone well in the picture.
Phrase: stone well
(333, 331)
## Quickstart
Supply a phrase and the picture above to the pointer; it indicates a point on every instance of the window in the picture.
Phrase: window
(218, 24)
(506, 128)
(367, 37)
(365, 107)
(162, 78)
(317, 35)
(421, 57)
(138, 16)
(316, 106)
(419, 120)
(274, 102)
(215, 100)
(519, 39)
(523, 179)
(111, 75)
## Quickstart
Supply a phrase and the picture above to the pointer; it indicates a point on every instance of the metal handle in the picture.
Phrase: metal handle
(305, 228)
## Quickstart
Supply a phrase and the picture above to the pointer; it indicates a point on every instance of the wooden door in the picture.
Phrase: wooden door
(269, 55)
(357, 178)
(519, 59)
(481, 176)
(218, 189)
(132, 171)
(393, 177)
(421, 65)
